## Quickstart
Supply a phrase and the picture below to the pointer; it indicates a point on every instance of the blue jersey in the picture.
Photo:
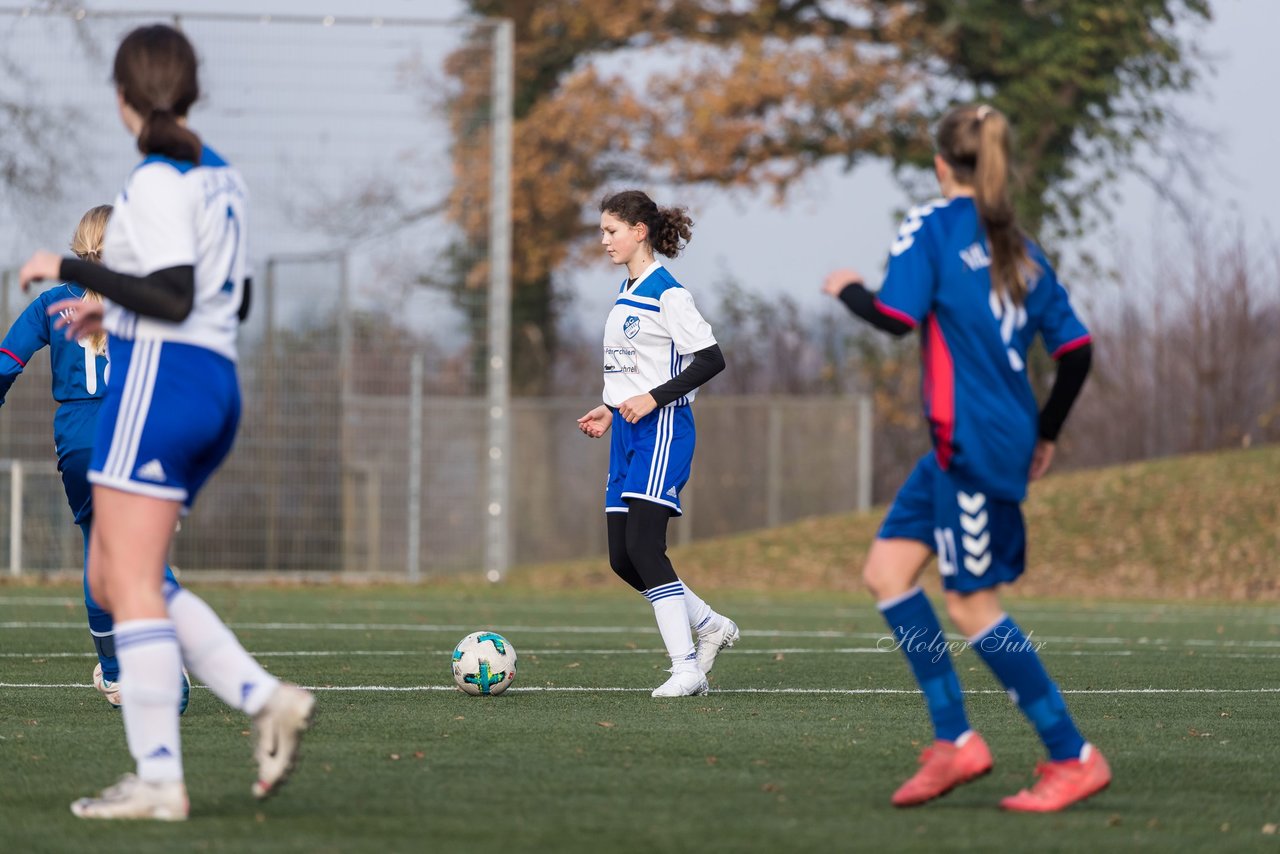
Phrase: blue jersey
(982, 413)
(79, 376)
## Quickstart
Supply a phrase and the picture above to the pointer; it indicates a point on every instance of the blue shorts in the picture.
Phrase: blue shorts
(168, 419)
(980, 541)
(650, 460)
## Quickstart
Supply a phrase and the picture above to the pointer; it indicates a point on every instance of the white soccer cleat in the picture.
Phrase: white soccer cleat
(685, 682)
(709, 645)
(132, 798)
(111, 690)
(279, 728)
(108, 689)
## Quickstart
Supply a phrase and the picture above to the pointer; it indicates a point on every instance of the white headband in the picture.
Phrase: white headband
(983, 112)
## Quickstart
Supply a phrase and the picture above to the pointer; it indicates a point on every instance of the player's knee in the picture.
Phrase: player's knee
(643, 550)
(99, 594)
(972, 612)
(876, 577)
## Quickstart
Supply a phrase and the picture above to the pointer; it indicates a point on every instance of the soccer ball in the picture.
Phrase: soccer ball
(484, 663)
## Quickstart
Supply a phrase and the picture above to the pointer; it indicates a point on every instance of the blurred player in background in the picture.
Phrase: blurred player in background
(79, 371)
(175, 292)
(963, 272)
(657, 351)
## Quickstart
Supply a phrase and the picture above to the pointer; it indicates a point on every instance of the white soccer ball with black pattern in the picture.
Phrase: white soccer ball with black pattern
(484, 664)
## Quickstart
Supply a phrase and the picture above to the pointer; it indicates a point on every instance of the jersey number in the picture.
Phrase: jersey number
(91, 366)
(1012, 317)
(229, 284)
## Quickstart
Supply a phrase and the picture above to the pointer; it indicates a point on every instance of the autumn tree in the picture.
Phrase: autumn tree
(755, 95)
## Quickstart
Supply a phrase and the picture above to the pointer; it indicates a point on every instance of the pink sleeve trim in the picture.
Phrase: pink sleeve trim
(13, 355)
(1072, 345)
(896, 314)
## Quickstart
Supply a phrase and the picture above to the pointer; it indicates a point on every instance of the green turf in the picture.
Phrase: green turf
(618, 771)
(1188, 527)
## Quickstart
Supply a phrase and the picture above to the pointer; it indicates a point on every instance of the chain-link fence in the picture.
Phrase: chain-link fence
(378, 432)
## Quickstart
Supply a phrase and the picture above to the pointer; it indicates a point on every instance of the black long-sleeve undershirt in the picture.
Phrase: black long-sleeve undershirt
(1073, 367)
(705, 365)
(862, 302)
(167, 294)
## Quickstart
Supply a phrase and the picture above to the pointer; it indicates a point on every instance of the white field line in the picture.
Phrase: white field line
(374, 653)
(1200, 643)
(582, 689)
(533, 653)
(1106, 613)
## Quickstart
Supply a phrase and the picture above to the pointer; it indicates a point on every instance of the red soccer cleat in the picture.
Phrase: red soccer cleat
(945, 765)
(1062, 784)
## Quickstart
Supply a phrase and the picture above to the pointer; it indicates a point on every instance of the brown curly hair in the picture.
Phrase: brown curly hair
(669, 228)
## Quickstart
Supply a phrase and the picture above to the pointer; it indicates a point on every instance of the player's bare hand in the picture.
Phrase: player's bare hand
(838, 280)
(596, 422)
(635, 408)
(78, 317)
(40, 266)
(1041, 459)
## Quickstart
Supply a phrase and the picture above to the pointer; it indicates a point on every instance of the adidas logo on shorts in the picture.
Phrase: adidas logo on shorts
(152, 471)
(672, 492)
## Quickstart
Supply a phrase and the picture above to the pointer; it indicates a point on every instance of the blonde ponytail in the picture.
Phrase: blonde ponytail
(86, 243)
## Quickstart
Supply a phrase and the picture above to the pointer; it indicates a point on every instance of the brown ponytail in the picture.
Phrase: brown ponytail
(155, 73)
(974, 141)
(670, 229)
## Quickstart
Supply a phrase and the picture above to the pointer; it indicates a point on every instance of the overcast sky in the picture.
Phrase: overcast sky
(843, 219)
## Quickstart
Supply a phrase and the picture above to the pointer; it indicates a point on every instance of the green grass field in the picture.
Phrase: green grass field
(807, 730)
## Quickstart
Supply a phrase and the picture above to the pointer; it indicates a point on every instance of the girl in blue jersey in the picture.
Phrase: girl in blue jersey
(979, 291)
(175, 289)
(79, 371)
(657, 351)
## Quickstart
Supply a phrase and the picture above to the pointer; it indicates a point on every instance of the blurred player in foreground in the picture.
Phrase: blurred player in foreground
(175, 293)
(980, 292)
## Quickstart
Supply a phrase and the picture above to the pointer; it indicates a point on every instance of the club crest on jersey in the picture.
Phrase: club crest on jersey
(631, 326)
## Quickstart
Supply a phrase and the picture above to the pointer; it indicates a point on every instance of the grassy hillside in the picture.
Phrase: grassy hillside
(1204, 526)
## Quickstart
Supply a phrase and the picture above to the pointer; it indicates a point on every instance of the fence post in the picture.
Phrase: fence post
(773, 464)
(497, 543)
(684, 531)
(865, 424)
(15, 518)
(269, 392)
(415, 468)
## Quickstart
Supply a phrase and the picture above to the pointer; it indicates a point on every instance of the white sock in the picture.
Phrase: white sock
(701, 616)
(216, 658)
(151, 673)
(673, 622)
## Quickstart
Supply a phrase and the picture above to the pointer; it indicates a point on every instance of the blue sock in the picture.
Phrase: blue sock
(1013, 660)
(101, 625)
(920, 637)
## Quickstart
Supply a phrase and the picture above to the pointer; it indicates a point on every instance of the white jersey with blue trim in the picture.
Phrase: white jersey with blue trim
(651, 335)
(173, 213)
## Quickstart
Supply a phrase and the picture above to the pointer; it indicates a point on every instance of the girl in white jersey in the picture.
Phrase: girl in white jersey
(657, 352)
(176, 286)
